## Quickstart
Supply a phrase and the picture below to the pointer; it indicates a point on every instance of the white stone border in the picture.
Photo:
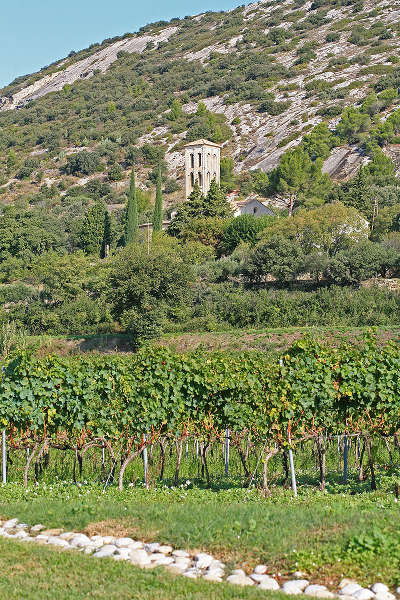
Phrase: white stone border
(180, 562)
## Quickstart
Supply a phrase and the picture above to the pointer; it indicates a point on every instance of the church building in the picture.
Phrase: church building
(202, 164)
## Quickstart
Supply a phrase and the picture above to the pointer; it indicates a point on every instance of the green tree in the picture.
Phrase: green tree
(83, 163)
(357, 193)
(158, 207)
(131, 225)
(300, 178)
(319, 142)
(198, 207)
(92, 230)
(215, 204)
(107, 235)
(26, 233)
(176, 110)
(327, 229)
(149, 288)
(360, 262)
(206, 230)
(228, 178)
(277, 256)
(115, 173)
(11, 160)
(353, 124)
(244, 228)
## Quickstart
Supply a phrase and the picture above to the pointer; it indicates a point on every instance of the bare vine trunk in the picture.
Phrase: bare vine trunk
(243, 460)
(162, 450)
(322, 462)
(285, 469)
(124, 465)
(28, 462)
(204, 448)
(38, 468)
(389, 450)
(268, 456)
(179, 448)
(361, 471)
(371, 463)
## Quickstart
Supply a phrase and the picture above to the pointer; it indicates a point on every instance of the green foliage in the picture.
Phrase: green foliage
(83, 163)
(115, 173)
(315, 388)
(274, 108)
(131, 226)
(25, 233)
(93, 228)
(362, 261)
(300, 178)
(208, 125)
(277, 256)
(214, 205)
(176, 110)
(206, 230)
(228, 178)
(158, 207)
(107, 235)
(353, 124)
(319, 142)
(231, 306)
(327, 229)
(147, 288)
(244, 228)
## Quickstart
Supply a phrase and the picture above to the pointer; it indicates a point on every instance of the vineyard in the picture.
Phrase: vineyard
(160, 415)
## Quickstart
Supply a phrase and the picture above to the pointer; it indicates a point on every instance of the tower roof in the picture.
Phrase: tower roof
(202, 142)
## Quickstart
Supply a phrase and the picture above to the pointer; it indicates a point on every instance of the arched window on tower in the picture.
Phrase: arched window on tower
(192, 161)
(200, 179)
(200, 159)
(192, 180)
(208, 178)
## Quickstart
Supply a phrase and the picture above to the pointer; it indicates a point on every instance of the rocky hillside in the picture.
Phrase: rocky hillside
(256, 79)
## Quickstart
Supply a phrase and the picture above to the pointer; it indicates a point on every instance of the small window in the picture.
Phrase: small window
(192, 161)
(200, 179)
(199, 159)
(192, 179)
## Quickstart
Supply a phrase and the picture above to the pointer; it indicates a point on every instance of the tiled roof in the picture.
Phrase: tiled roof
(202, 142)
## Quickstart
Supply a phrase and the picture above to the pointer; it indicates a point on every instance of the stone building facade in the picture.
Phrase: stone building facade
(202, 164)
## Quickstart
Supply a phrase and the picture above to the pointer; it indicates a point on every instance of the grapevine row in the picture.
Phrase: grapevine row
(124, 404)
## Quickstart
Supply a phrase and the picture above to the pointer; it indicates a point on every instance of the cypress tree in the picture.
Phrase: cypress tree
(158, 207)
(107, 236)
(132, 225)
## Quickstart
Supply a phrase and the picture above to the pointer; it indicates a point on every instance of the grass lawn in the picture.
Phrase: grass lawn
(325, 535)
(32, 572)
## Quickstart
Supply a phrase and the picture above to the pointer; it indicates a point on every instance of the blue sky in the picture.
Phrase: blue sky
(34, 33)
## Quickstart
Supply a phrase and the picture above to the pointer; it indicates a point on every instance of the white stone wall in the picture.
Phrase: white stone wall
(202, 164)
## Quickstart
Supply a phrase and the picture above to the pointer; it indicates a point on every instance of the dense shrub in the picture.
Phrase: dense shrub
(83, 163)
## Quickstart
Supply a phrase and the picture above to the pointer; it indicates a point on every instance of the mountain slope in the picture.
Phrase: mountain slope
(271, 71)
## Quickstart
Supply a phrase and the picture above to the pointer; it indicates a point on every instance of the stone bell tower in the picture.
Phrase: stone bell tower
(202, 164)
